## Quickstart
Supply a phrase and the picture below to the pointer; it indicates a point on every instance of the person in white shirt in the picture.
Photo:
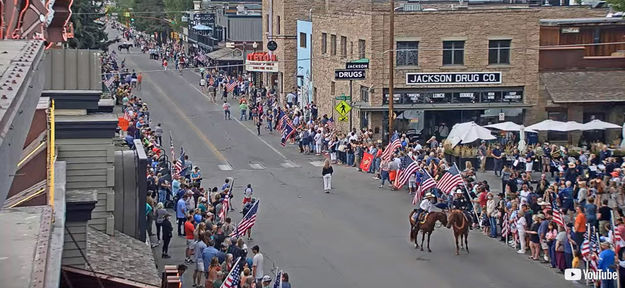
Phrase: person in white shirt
(257, 265)
(426, 205)
(520, 226)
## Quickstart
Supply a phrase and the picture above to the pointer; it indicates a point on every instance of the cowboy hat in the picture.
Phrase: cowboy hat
(459, 191)
(541, 202)
(429, 195)
(571, 165)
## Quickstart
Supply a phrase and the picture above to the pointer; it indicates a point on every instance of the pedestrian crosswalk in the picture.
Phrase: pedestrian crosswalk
(262, 166)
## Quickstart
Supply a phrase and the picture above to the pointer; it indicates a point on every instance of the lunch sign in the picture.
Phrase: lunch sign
(457, 78)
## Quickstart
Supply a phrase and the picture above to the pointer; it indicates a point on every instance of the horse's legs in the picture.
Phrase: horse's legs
(429, 234)
(422, 239)
(457, 249)
(466, 241)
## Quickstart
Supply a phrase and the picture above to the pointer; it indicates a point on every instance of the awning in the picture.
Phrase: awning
(585, 87)
(443, 106)
(226, 54)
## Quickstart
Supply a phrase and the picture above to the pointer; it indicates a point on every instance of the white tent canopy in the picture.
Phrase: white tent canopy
(551, 125)
(599, 125)
(508, 126)
(468, 132)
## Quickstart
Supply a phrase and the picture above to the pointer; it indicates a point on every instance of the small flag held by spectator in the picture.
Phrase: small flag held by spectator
(390, 148)
(427, 182)
(557, 214)
(234, 277)
(404, 174)
(247, 222)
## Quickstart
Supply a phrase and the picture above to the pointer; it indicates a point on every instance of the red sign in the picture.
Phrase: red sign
(367, 160)
(261, 56)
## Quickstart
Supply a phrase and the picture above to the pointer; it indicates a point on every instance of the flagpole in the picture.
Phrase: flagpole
(468, 193)
(229, 273)
(587, 262)
(618, 276)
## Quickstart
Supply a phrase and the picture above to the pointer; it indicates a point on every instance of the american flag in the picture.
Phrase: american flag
(289, 129)
(505, 228)
(427, 182)
(180, 163)
(225, 206)
(234, 277)
(450, 180)
(390, 148)
(616, 237)
(278, 282)
(403, 175)
(109, 82)
(230, 86)
(557, 214)
(589, 247)
(247, 222)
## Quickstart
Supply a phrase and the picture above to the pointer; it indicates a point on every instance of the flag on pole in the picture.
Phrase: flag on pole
(590, 248)
(230, 86)
(403, 175)
(287, 132)
(225, 206)
(278, 282)
(247, 222)
(557, 214)
(180, 165)
(390, 148)
(427, 182)
(234, 277)
(505, 227)
(450, 180)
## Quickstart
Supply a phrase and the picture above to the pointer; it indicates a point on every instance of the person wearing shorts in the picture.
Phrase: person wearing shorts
(412, 183)
(189, 228)
(199, 261)
(247, 194)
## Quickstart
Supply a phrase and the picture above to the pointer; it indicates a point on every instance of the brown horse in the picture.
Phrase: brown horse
(460, 224)
(426, 227)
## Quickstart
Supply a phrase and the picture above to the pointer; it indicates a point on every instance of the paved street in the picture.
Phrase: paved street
(357, 236)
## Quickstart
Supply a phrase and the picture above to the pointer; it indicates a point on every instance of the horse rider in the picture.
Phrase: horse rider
(462, 203)
(426, 205)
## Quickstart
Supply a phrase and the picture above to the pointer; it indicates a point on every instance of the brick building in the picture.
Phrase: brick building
(450, 65)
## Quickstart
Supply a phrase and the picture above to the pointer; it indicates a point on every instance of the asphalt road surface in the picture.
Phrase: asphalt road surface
(356, 236)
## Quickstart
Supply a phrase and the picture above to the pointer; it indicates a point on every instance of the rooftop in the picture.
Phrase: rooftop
(576, 87)
(121, 256)
(24, 245)
(603, 20)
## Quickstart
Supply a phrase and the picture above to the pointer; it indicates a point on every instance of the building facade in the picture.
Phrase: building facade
(304, 62)
(451, 66)
(583, 80)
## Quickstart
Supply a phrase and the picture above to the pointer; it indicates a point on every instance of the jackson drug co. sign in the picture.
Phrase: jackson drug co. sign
(460, 78)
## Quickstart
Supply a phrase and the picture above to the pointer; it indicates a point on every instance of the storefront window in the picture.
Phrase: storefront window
(439, 97)
(397, 98)
(512, 96)
(464, 97)
(490, 97)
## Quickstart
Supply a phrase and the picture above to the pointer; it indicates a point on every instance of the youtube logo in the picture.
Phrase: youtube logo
(573, 274)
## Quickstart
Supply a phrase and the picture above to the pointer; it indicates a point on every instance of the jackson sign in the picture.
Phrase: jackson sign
(459, 78)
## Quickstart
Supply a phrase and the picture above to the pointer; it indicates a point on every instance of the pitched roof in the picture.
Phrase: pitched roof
(121, 256)
(585, 86)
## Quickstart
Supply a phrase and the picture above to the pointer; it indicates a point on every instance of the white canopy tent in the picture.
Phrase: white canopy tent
(599, 125)
(468, 132)
(545, 125)
(508, 126)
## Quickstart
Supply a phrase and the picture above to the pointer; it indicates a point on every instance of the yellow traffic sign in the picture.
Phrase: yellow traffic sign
(343, 118)
(343, 108)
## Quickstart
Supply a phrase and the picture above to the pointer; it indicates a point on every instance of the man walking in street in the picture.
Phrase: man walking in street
(226, 108)
(243, 108)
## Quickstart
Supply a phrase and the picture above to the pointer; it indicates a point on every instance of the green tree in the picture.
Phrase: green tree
(153, 21)
(618, 5)
(88, 31)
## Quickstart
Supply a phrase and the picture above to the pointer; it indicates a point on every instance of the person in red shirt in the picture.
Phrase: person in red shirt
(189, 228)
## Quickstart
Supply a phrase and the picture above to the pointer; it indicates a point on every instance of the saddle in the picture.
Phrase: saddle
(422, 217)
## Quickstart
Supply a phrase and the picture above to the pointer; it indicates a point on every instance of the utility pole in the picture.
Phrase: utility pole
(391, 69)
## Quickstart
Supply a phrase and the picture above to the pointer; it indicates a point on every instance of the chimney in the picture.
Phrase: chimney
(78, 207)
